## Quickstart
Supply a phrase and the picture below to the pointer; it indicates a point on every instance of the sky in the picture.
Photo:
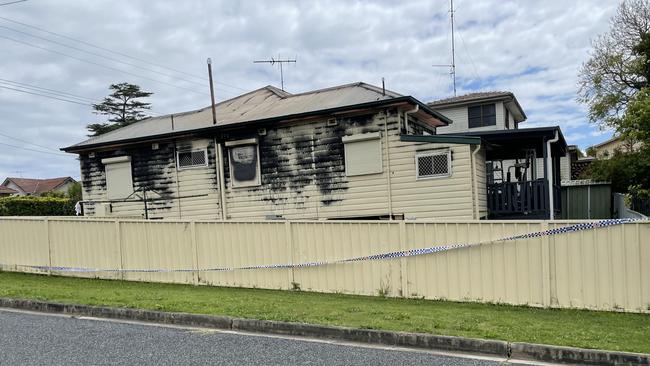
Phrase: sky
(533, 48)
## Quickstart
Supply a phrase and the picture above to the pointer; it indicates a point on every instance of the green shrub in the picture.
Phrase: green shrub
(36, 206)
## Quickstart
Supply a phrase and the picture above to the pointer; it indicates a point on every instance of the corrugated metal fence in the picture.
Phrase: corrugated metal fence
(606, 268)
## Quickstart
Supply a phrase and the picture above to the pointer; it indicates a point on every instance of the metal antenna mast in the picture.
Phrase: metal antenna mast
(273, 61)
(452, 67)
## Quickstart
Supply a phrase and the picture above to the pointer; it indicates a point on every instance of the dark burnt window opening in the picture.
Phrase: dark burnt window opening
(482, 115)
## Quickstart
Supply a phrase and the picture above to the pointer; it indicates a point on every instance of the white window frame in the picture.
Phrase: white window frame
(359, 138)
(178, 160)
(433, 153)
(233, 182)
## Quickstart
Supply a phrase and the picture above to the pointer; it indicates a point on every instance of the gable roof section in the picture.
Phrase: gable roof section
(37, 186)
(7, 190)
(264, 104)
(508, 97)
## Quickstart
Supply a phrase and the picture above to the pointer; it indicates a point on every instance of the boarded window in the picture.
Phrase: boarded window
(244, 163)
(482, 115)
(119, 182)
(192, 159)
(435, 164)
(363, 154)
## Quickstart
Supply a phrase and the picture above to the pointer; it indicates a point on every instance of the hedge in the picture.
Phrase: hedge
(36, 206)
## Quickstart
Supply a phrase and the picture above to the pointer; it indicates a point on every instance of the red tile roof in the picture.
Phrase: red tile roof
(37, 186)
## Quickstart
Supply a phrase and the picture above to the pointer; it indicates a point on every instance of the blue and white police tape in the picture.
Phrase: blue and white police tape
(373, 257)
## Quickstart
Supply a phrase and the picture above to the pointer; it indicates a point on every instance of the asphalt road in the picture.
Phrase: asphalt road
(39, 339)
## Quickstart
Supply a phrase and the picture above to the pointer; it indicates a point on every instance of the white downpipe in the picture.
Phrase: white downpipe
(475, 181)
(406, 117)
(390, 188)
(222, 180)
(549, 175)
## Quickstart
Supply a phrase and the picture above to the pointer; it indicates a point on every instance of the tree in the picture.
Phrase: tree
(74, 192)
(622, 170)
(122, 106)
(619, 66)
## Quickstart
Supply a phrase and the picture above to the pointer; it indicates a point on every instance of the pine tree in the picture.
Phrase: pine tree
(122, 106)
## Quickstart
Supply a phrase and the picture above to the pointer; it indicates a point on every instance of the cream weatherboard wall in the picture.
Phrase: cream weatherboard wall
(302, 176)
(461, 120)
(606, 268)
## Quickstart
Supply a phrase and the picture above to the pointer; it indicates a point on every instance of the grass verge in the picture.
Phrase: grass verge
(577, 328)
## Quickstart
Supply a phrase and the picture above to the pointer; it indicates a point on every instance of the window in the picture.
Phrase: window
(119, 183)
(363, 154)
(434, 164)
(482, 115)
(192, 159)
(244, 163)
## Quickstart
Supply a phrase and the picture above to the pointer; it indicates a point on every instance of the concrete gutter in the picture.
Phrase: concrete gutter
(507, 350)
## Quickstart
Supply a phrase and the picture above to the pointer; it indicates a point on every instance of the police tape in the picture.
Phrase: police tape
(373, 257)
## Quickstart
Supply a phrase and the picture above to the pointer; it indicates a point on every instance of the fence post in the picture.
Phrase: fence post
(118, 233)
(289, 234)
(49, 246)
(403, 273)
(195, 253)
(548, 268)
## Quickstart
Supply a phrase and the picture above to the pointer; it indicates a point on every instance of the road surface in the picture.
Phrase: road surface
(37, 339)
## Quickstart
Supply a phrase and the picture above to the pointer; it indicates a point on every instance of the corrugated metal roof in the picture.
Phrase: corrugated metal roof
(264, 103)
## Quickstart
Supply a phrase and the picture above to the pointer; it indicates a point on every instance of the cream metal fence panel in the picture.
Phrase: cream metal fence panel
(604, 269)
(240, 244)
(24, 241)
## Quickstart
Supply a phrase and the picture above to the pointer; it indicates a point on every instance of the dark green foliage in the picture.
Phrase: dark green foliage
(122, 106)
(623, 170)
(36, 206)
(74, 192)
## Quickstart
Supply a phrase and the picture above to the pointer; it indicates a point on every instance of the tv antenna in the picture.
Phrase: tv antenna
(273, 61)
(452, 66)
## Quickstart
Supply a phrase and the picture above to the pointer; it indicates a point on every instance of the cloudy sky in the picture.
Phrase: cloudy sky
(533, 48)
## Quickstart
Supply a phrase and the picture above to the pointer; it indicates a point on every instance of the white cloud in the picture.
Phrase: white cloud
(532, 48)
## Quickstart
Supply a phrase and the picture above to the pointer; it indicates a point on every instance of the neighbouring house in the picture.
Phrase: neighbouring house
(616, 144)
(37, 187)
(348, 152)
(6, 191)
(525, 166)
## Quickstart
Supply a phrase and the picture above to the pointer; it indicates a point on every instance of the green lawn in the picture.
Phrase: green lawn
(579, 328)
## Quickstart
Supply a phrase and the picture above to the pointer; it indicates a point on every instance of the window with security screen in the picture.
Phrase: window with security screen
(192, 159)
(433, 164)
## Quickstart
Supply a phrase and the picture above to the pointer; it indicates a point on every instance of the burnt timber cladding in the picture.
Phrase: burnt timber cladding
(303, 175)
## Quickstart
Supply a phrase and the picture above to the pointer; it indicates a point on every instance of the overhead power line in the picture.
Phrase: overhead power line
(104, 56)
(34, 150)
(45, 95)
(27, 142)
(62, 94)
(55, 94)
(88, 44)
(101, 65)
(12, 2)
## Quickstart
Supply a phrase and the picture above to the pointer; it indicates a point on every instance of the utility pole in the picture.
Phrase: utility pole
(273, 61)
(214, 112)
(452, 66)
